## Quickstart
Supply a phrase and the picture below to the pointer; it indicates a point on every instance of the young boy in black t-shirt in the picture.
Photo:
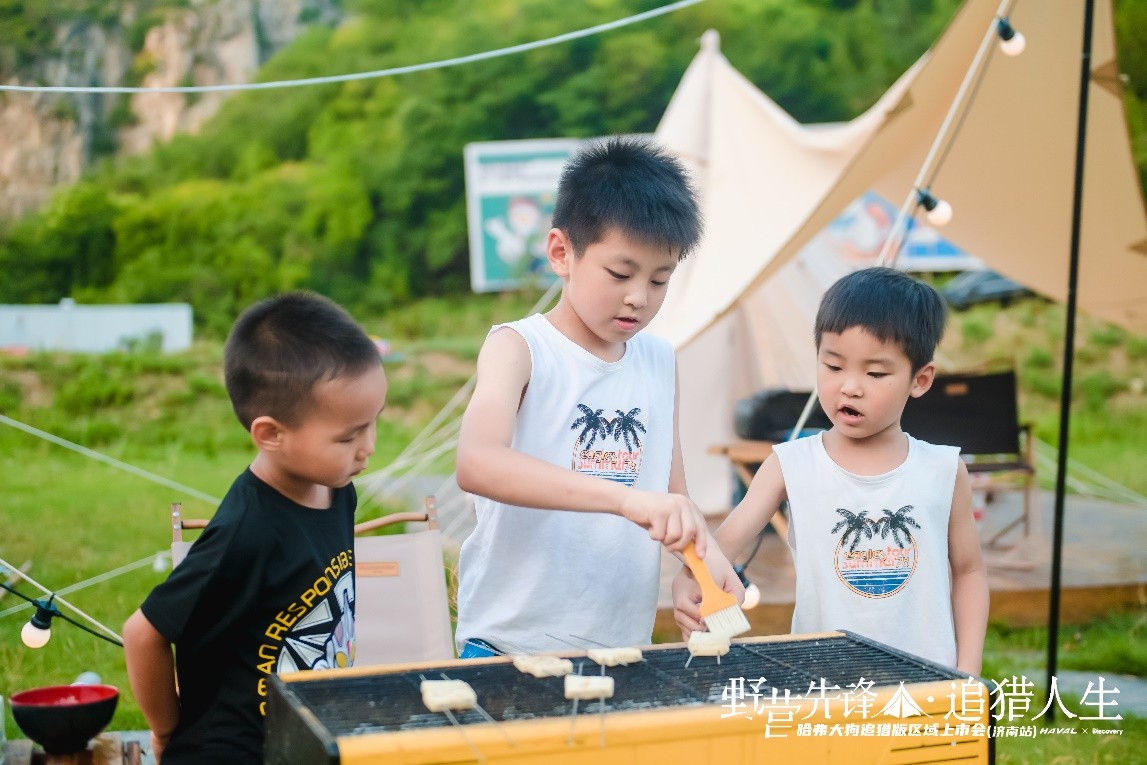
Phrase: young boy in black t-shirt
(269, 585)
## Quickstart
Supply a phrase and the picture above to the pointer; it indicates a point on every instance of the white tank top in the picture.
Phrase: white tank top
(532, 581)
(871, 552)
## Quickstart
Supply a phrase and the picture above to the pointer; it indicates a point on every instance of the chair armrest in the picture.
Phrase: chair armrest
(388, 520)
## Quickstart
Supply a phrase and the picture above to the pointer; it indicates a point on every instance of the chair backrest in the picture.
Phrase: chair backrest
(402, 609)
(976, 412)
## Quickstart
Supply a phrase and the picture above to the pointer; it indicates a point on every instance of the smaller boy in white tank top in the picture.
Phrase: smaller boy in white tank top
(881, 527)
(570, 439)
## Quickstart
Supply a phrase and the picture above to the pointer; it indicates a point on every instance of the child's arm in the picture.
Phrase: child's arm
(764, 496)
(969, 578)
(151, 672)
(488, 466)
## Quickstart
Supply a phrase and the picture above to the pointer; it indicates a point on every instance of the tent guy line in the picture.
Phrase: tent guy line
(109, 460)
(442, 64)
(945, 138)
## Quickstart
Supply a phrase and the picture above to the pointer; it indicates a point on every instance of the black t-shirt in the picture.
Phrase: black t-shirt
(268, 587)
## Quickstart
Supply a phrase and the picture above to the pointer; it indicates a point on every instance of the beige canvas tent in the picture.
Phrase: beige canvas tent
(740, 311)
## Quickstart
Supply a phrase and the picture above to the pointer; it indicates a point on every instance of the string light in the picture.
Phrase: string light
(939, 212)
(568, 36)
(38, 631)
(1012, 42)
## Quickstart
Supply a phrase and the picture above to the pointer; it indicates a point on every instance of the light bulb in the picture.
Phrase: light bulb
(752, 591)
(941, 214)
(1014, 46)
(34, 636)
(939, 211)
(752, 597)
(1012, 43)
(38, 631)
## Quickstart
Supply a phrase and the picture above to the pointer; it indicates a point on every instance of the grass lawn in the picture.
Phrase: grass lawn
(1079, 748)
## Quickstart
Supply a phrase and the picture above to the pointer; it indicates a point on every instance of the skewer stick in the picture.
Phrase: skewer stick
(573, 715)
(602, 715)
(454, 721)
(573, 719)
(465, 738)
(489, 718)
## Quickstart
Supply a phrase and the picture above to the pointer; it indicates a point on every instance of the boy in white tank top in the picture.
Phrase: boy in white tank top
(570, 439)
(881, 527)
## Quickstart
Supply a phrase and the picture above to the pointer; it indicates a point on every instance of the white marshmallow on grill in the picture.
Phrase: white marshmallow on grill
(543, 666)
(611, 657)
(589, 687)
(440, 695)
(708, 644)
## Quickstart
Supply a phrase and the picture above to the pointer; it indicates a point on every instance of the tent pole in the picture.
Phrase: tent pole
(1068, 356)
(892, 243)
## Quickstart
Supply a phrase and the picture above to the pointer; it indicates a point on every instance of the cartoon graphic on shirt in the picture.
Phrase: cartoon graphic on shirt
(616, 463)
(878, 569)
(324, 638)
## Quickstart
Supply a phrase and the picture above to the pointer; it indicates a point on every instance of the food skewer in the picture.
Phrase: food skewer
(579, 687)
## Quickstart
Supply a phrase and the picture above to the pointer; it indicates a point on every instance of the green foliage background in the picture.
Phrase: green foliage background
(356, 190)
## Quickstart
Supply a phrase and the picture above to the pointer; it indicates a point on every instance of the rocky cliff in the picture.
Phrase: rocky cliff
(47, 139)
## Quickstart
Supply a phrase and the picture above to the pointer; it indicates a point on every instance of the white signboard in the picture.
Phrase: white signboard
(511, 187)
(94, 328)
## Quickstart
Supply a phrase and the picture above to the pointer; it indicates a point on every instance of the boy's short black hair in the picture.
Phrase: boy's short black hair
(281, 347)
(629, 184)
(890, 305)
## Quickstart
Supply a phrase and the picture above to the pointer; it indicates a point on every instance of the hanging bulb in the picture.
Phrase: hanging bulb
(38, 631)
(1012, 43)
(752, 591)
(752, 597)
(939, 212)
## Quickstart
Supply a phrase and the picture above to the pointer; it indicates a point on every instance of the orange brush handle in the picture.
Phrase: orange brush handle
(713, 598)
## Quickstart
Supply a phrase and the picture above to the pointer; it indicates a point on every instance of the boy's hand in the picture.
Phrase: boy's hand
(687, 603)
(687, 593)
(723, 573)
(671, 519)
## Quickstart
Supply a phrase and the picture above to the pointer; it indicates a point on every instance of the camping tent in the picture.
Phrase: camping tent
(740, 310)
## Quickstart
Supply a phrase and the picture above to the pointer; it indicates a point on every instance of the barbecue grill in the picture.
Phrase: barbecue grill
(661, 711)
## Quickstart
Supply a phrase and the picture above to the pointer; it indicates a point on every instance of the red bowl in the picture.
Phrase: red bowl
(63, 718)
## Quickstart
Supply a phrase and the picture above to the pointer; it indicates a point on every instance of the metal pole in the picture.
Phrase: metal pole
(891, 247)
(899, 227)
(1068, 355)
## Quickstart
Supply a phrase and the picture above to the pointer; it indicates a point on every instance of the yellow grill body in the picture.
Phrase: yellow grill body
(340, 717)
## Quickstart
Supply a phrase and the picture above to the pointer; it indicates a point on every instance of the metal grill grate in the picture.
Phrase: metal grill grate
(390, 702)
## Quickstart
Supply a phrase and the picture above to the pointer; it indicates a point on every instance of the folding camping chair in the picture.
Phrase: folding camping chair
(979, 414)
(402, 611)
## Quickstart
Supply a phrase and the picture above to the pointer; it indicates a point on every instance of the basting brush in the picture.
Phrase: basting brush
(719, 609)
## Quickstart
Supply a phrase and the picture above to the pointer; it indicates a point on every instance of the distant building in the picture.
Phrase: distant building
(95, 328)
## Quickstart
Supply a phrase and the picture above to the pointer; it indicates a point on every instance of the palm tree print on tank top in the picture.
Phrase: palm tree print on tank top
(876, 558)
(608, 447)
